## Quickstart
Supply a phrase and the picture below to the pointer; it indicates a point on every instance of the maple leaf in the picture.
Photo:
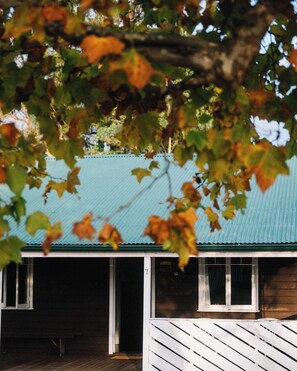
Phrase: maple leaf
(110, 235)
(213, 219)
(10, 133)
(259, 97)
(293, 58)
(54, 13)
(136, 67)
(84, 228)
(140, 173)
(95, 48)
(2, 174)
(52, 234)
(191, 193)
(157, 229)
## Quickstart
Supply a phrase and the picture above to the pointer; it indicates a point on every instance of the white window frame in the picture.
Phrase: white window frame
(29, 283)
(203, 290)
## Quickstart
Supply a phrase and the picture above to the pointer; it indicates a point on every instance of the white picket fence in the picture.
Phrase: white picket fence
(202, 344)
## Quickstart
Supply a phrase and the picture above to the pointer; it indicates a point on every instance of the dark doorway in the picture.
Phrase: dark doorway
(130, 303)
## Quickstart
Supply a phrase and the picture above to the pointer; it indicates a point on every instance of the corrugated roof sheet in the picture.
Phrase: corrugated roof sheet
(107, 184)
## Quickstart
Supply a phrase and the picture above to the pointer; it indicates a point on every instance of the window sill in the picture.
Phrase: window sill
(10, 308)
(225, 310)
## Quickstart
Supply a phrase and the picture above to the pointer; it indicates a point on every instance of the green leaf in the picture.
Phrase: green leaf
(239, 201)
(197, 139)
(140, 173)
(16, 178)
(67, 150)
(154, 165)
(36, 221)
(10, 251)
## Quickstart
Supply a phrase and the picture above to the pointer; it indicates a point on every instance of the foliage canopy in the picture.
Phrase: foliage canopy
(190, 75)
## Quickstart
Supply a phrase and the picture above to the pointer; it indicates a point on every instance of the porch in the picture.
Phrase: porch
(27, 360)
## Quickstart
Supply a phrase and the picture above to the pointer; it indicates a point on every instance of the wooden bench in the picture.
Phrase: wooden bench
(57, 338)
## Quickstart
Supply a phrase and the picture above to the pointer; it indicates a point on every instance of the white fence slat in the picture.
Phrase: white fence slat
(229, 337)
(264, 347)
(279, 343)
(281, 329)
(195, 359)
(229, 345)
(221, 351)
(159, 363)
(171, 354)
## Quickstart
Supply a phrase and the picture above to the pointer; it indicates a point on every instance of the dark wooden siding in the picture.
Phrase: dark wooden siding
(68, 294)
(177, 292)
(279, 288)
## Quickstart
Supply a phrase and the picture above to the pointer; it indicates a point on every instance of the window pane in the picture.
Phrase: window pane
(241, 285)
(22, 284)
(11, 285)
(217, 284)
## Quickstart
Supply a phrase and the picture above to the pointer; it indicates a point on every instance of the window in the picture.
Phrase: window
(228, 284)
(17, 286)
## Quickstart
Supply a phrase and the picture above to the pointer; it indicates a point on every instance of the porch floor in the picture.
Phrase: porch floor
(22, 361)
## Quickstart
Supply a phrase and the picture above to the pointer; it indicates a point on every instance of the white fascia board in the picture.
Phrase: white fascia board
(162, 254)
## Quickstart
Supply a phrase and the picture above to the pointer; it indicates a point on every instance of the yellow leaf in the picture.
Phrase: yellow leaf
(10, 133)
(137, 69)
(95, 48)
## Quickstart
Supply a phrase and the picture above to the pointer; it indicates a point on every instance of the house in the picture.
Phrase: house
(234, 306)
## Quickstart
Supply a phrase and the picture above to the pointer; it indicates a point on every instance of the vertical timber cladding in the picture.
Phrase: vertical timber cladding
(278, 280)
(69, 294)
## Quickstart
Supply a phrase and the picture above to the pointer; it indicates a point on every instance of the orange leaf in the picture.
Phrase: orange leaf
(84, 228)
(10, 133)
(293, 58)
(94, 48)
(52, 234)
(109, 234)
(2, 174)
(191, 193)
(137, 69)
(157, 229)
(54, 13)
(259, 97)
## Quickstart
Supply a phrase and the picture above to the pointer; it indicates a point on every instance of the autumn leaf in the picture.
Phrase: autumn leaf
(213, 219)
(84, 228)
(157, 229)
(191, 193)
(54, 13)
(293, 58)
(2, 174)
(136, 67)
(36, 221)
(10, 133)
(52, 234)
(110, 235)
(140, 173)
(95, 48)
(265, 161)
(259, 97)
(229, 213)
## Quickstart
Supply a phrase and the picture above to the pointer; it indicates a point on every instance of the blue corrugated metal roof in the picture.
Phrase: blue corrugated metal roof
(106, 184)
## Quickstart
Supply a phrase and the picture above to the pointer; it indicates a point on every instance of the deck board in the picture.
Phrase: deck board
(18, 361)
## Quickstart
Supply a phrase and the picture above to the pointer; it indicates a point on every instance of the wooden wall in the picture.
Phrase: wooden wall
(68, 294)
(177, 292)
